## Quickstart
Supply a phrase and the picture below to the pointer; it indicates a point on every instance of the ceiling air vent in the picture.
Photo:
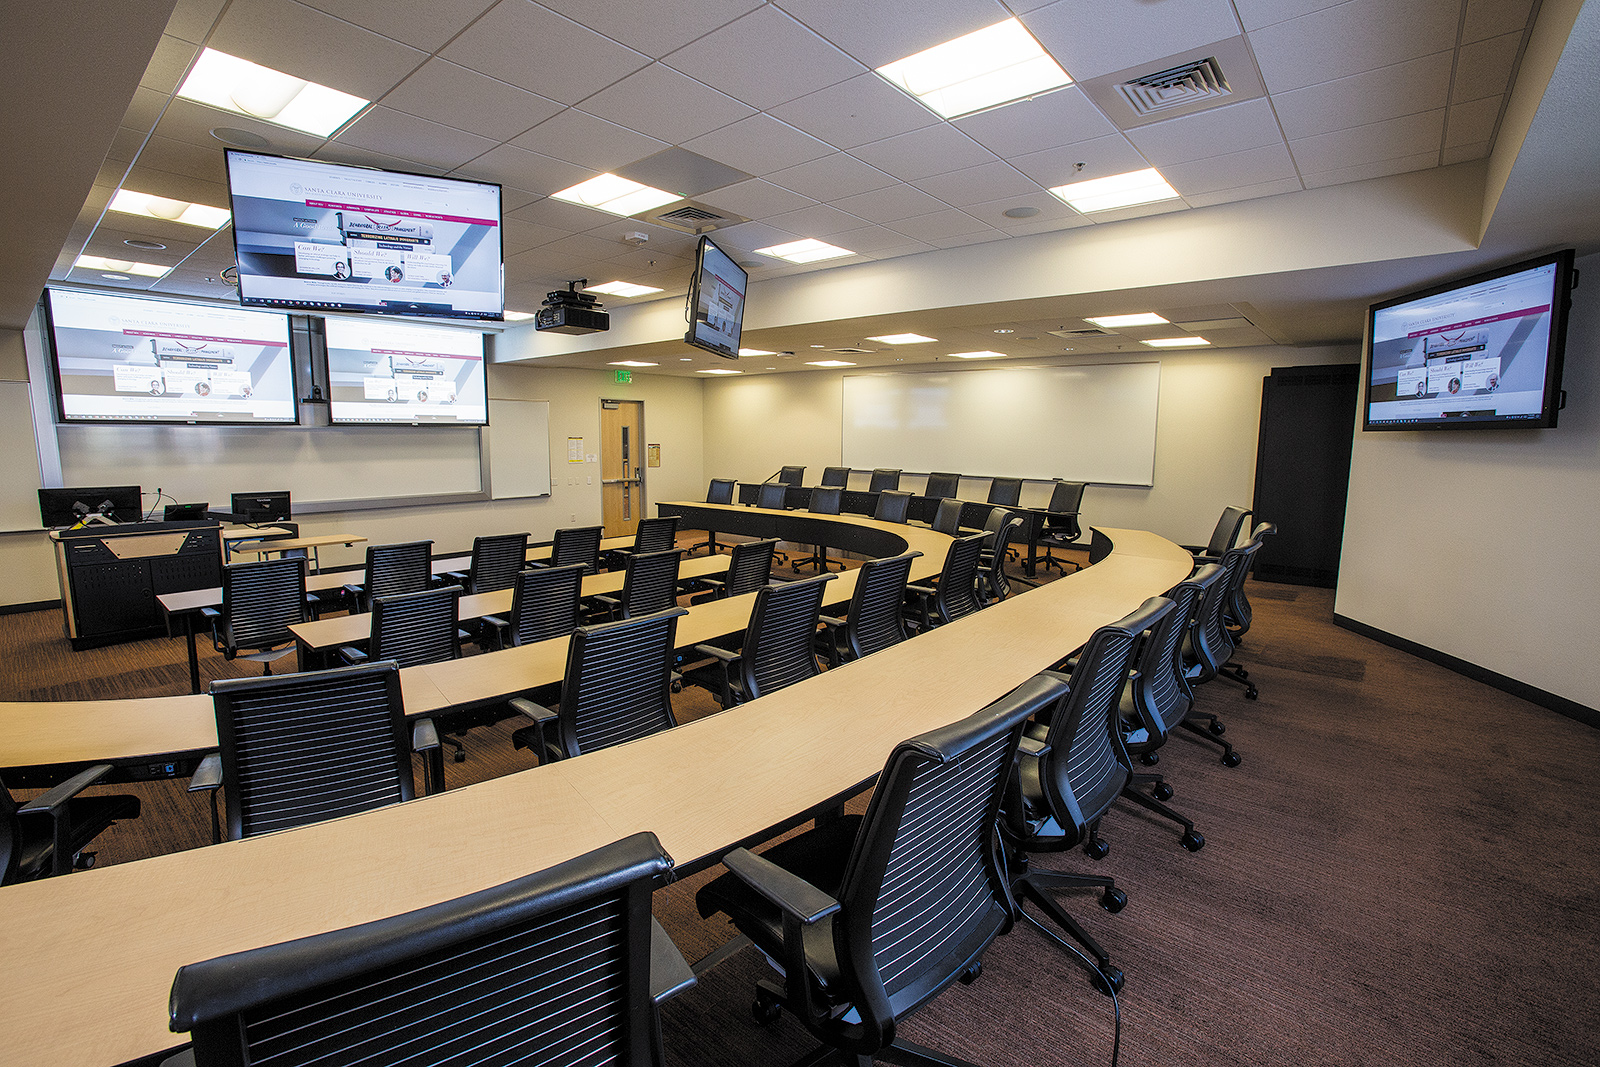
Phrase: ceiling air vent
(692, 217)
(852, 351)
(1081, 333)
(1180, 86)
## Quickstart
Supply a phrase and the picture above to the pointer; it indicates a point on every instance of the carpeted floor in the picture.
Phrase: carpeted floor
(1404, 870)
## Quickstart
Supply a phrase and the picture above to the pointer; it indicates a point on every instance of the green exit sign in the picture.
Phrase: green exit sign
(624, 377)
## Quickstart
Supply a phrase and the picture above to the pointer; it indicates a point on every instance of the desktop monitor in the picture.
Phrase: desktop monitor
(260, 507)
(69, 506)
(184, 512)
(716, 301)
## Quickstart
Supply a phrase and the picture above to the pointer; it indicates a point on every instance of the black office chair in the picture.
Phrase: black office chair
(720, 492)
(413, 628)
(649, 585)
(545, 603)
(836, 476)
(496, 561)
(617, 688)
(893, 506)
(994, 585)
(954, 593)
(655, 535)
(869, 917)
(260, 601)
(942, 484)
(883, 479)
(749, 568)
(575, 544)
(1006, 492)
(772, 495)
(46, 836)
(1211, 643)
(876, 618)
(393, 569)
(1062, 789)
(779, 646)
(1061, 529)
(1236, 611)
(1223, 537)
(947, 517)
(564, 966)
(825, 500)
(791, 476)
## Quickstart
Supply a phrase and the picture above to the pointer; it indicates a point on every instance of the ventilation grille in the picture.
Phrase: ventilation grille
(1189, 83)
(1082, 333)
(852, 351)
(693, 217)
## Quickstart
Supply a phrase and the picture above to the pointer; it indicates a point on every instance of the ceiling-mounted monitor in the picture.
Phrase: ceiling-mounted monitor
(326, 237)
(716, 301)
(126, 359)
(1481, 351)
(400, 372)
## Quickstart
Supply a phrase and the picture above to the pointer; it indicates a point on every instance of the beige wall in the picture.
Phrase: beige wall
(1481, 543)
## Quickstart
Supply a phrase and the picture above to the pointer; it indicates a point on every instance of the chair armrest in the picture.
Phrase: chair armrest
(352, 656)
(208, 776)
(355, 590)
(789, 893)
(448, 577)
(537, 712)
(424, 736)
(922, 590)
(720, 653)
(211, 615)
(1032, 746)
(670, 973)
(54, 801)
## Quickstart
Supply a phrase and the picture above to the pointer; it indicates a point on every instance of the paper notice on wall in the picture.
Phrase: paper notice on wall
(574, 450)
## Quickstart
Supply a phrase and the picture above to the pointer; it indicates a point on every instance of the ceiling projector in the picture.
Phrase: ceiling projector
(569, 311)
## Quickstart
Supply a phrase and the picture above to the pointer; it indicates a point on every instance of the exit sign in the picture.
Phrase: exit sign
(624, 377)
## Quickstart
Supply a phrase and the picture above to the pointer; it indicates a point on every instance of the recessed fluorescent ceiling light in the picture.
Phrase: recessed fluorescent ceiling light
(159, 207)
(632, 363)
(621, 289)
(1119, 190)
(121, 266)
(719, 370)
(247, 88)
(1117, 322)
(903, 339)
(755, 352)
(827, 363)
(978, 355)
(1175, 342)
(807, 251)
(616, 195)
(984, 69)
(517, 316)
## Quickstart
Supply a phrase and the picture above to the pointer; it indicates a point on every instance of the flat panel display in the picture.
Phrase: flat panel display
(716, 301)
(326, 237)
(1481, 351)
(119, 359)
(395, 372)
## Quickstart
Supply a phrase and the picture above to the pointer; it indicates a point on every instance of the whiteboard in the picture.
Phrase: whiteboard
(19, 474)
(519, 448)
(1082, 423)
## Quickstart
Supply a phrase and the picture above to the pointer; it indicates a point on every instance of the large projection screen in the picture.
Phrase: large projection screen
(1082, 423)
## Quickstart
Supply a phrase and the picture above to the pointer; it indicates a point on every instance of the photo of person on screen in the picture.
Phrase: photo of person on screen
(394, 273)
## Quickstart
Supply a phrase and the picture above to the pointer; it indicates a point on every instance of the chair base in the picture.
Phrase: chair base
(1061, 565)
(819, 560)
(1032, 886)
(1190, 840)
(1235, 673)
(1212, 733)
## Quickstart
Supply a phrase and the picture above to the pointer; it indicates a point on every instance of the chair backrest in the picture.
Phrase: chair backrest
(772, 495)
(1005, 491)
(875, 620)
(779, 647)
(884, 478)
(650, 583)
(551, 968)
(10, 836)
(496, 560)
(836, 476)
(825, 500)
(999, 581)
(792, 475)
(893, 505)
(1226, 534)
(721, 491)
(924, 891)
(947, 520)
(417, 628)
(1066, 501)
(618, 682)
(401, 568)
(260, 601)
(577, 544)
(942, 484)
(1236, 608)
(301, 748)
(957, 594)
(656, 535)
(545, 603)
(1208, 644)
(750, 566)
(1158, 694)
(998, 517)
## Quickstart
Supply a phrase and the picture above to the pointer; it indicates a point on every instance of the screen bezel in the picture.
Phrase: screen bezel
(337, 420)
(1555, 351)
(63, 419)
(689, 338)
(105, 492)
(322, 308)
(274, 494)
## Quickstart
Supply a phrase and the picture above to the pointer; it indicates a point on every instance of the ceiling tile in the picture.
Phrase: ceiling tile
(748, 236)
(1473, 121)
(395, 133)
(1219, 131)
(1102, 157)
(518, 236)
(192, 19)
(870, 240)
(666, 104)
(764, 58)
(306, 43)
(1371, 96)
(1393, 139)
(582, 246)
(1094, 38)
(145, 109)
(126, 144)
(337, 152)
(448, 93)
(588, 141)
(819, 220)
(757, 199)
(891, 204)
(1062, 117)
(1490, 18)
(832, 177)
(174, 186)
(181, 157)
(1251, 167)
(657, 27)
(938, 224)
(896, 28)
(759, 145)
(571, 218)
(507, 43)
(1366, 34)
(862, 109)
(907, 247)
(1046, 208)
(976, 185)
(1463, 153)
(118, 227)
(1484, 68)
(1257, 13)
(185, 120)
(426, 24)
(512, 198)
(1379, 169)
(661, 241)
(926, 152)
(977, 237)
(510, 165)
(1245, 192)
(168, 64)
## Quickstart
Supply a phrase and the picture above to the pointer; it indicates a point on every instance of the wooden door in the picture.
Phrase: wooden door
(621, 465)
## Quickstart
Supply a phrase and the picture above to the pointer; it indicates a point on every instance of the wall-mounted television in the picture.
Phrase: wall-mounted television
(326, 237)
(716, 301)
(401, 372)
(1481, 351)
(123, 359)
(69, 506)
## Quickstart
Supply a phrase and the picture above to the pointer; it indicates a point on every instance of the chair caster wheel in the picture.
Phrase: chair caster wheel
(1113, 899)
(1252, 694)
(1231, 760)
(1193, 841)
(1242, 672)
(1096, 849)
(1150, 759)
(1107, 980)
(766, 1010)
(1162, 791)
(971, 974)
(84, 860)
(1218, 729)
(461, 757)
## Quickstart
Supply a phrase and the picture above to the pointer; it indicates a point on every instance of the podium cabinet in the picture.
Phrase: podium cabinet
(110, 576)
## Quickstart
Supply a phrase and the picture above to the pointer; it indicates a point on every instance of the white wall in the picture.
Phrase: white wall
(1210, 411)
(1481, 544)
